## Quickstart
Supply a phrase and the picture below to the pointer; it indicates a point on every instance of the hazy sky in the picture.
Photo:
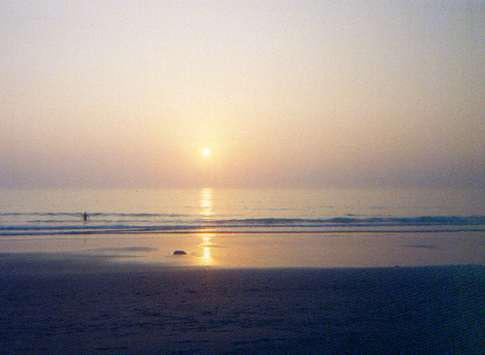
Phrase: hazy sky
(285, 93)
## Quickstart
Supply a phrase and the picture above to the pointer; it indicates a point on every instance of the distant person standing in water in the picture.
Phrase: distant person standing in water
(85, 217)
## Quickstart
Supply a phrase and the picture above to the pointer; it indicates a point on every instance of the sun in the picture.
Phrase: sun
(206, 152)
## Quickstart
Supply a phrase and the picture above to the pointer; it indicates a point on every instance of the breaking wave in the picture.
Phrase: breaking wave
(65, 223)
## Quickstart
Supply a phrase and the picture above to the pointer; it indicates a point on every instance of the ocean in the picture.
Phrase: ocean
(60, 212)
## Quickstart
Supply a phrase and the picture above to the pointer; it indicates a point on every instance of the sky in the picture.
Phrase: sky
(284, 93)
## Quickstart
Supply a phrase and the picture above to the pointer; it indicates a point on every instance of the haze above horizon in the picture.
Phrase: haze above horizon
(242, 94)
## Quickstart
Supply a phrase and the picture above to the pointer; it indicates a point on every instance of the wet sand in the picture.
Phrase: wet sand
(313, 250)
(87, 304)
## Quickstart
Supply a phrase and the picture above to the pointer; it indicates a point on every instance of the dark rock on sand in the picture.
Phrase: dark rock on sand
(179, 252)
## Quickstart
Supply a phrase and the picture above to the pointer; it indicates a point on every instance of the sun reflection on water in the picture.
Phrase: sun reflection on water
(206, 206)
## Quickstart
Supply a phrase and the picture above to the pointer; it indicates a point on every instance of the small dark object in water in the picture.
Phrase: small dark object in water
(179, 252)
(85, 217)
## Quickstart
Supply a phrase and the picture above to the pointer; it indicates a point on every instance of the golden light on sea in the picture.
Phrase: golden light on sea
(205, 202)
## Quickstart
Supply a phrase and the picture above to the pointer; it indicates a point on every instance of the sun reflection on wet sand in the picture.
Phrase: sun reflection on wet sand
(206, 245)
(206, 206)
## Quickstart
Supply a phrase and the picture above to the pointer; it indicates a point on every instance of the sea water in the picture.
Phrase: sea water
(27, 212)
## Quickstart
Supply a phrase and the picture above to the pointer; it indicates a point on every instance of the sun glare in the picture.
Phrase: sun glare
(206, 152)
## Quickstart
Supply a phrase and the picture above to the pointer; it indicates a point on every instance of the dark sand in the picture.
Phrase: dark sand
(74, 305)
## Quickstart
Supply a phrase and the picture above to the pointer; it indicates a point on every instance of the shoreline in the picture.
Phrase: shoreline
(327, 233)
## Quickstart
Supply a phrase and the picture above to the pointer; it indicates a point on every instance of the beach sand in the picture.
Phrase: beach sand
(88, 304)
